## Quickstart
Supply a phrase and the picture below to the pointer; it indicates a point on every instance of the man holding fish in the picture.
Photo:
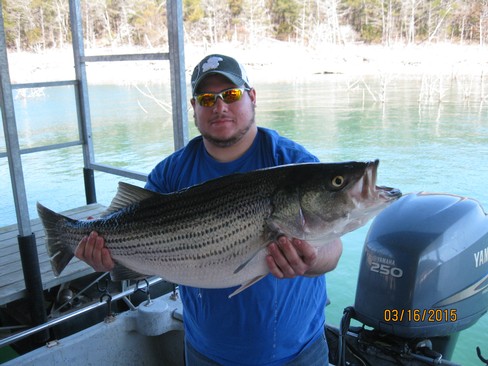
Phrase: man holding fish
(280, 319)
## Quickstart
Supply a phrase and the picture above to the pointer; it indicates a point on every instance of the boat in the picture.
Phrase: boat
(407, 313)
(403, 314)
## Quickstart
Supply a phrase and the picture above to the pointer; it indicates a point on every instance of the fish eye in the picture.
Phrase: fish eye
(337, 181)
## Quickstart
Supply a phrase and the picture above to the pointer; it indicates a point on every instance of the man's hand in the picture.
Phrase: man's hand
(290, 258)
(92, 250)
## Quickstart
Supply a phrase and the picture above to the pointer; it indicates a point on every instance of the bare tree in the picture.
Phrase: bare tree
(34, 24)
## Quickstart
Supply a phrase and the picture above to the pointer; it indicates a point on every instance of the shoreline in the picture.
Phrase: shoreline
(270, 61)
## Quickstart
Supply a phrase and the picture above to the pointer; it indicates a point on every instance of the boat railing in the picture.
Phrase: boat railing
(64, 318)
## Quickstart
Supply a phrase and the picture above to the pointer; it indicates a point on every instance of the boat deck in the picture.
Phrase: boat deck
(12, 286)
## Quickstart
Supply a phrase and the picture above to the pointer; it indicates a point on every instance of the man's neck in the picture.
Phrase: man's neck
(230, 153)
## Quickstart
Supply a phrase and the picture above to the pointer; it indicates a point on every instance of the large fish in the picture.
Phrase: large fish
(214, 235)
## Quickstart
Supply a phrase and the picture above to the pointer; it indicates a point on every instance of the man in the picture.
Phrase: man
(280, 319)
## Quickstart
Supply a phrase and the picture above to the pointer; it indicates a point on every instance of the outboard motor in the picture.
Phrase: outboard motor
(423, 278)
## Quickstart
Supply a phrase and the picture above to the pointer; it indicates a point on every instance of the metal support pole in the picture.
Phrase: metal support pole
(90, 191)
(26, 239)
(30, 267)
(174, 17)
(11, 137)
(81, 92)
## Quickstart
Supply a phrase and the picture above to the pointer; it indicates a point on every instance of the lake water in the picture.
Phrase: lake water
(430, 134)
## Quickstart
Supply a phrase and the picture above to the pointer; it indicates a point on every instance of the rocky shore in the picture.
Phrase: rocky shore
(267, 61)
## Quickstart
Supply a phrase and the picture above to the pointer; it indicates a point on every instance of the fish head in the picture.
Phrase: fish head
(339, 198)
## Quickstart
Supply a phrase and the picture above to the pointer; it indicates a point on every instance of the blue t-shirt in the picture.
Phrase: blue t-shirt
(270, 322)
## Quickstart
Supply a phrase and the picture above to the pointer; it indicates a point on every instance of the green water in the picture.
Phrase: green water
(430, 134)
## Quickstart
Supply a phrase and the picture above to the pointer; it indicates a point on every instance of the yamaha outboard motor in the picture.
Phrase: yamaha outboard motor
(423, 278)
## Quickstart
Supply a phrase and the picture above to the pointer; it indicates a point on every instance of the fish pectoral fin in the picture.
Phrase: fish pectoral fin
(238, 269)
(128, 194)
(241, 267)
(120, 273)
(246, 285)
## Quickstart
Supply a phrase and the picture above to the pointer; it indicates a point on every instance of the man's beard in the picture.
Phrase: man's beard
(231, 140)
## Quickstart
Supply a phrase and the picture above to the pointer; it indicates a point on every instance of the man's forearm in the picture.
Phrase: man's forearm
(327, 258)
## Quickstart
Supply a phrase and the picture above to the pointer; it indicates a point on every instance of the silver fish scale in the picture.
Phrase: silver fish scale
(214, 235)
(204, 231)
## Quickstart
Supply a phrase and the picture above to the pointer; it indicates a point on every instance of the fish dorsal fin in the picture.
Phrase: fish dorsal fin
(128, 194)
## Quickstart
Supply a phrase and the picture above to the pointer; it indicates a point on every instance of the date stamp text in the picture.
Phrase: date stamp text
(420, 315)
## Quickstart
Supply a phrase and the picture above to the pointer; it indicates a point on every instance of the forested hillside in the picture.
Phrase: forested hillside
(41, 24)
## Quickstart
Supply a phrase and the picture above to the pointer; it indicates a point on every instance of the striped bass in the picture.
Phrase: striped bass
(215, 234)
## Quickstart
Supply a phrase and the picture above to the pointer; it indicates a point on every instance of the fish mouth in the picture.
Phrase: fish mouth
(389, 193)
(366, 189)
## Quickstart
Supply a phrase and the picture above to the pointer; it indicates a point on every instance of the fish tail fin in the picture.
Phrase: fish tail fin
(60, 252)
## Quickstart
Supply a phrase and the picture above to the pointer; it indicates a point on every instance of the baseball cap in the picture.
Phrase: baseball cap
(219, 64)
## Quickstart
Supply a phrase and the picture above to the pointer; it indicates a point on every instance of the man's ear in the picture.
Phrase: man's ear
(252, 95)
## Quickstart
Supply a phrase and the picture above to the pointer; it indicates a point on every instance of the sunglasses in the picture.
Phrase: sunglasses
(228, 96)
